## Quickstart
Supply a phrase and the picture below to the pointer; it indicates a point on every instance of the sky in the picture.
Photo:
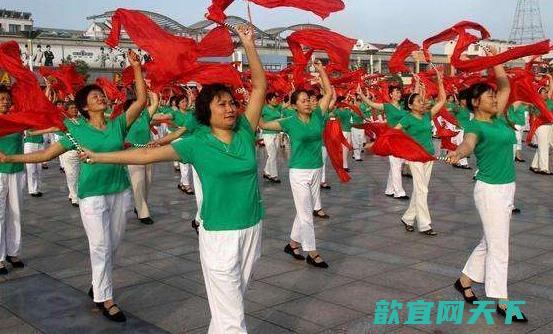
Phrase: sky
(377, 21)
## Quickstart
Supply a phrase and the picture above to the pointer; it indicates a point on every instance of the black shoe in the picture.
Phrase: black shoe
(408, 228)
(407, 175)
(91, 295)
(325, 186)
(404, 197)
(266, 176)
(519, 160)
(275, 180)
(290, 250)
(534, 170)
(146, 221)
(358, 160)
(15, 264)
(347, 170)
(459, 287)
(312, 262)
(44, 166)
(75, 204)
(62, 170)
(118, 316)
(3, 271)
(318, 214)
(195, 225)
(177, 169)
(389, 195)
(430, 233)
(135, 212)
(502, 313)
(516, 211)
(39, 194)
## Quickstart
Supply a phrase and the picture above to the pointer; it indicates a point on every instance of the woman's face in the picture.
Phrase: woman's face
(543, 93)
(5, 102)
(487, 103)
(223, 112)
(72, 111)
(395, 95)
(273, 101)
(314, 101)
(183, 104)
(417, 105)
(303, 104)
(96, 102)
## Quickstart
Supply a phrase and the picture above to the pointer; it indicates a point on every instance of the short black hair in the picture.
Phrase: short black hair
(179, 98)
(270, 96)
(5, 90)
(81, 97)
(409, 99)
(296, 94)
(392, 88)
(69, 104)
(476, 91)
(204, 99)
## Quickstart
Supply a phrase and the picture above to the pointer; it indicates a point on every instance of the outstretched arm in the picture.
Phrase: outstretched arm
(139, 156)
(464, 150)
(48, 154)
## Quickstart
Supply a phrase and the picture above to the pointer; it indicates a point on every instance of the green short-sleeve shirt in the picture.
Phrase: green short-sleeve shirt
(344, 116)
(270, 113)
(517, 115)
(419, 129)
(38, 139)
(494, 150)
(139, 133)
(99, 179)
(228, 173)
(462, 115)
(288, 112)
(365, 110)
(305, 140)
(9, 145)
(393, 114)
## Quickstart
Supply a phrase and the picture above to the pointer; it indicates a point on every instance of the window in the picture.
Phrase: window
(28, 27)
(14, 28)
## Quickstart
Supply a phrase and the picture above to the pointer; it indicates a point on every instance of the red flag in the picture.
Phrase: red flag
(175, 58)
(399, 144)
(110, 89)
(31, 109)
(338, 47)
(334, 140)
(320, 8)
(403, 50)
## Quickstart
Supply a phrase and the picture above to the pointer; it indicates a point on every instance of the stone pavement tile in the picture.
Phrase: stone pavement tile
(177, 317)
(523, 270)
(363, 325)
(340, 247)
(528, 254)
(529, 289)
(383, 256)
(359, 267)
(307, 281)
(361, 296)
(69, 232)
(8, 319)
(63, 265)
(163, 268)
(149, 294)
(370, 242)
(42, 248)
(455, 259)
(188, 285)
(536, 240)
(318, 311)
(546, 329)
(77, 244)
(258, 326)
(144, 256)
(436, 268)
(544, 259)
(455, 242)
(411, 280)
(545, 279)
(293, 323)
(269, 295)
(20, 329)
(418, 251)
(14, 274)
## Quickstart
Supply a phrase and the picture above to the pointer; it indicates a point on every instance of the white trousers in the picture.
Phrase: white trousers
(227, 259)
(394, 185)
(70, 160)
(544, 139)
(11, 197)
(489, 261)
(198, 193)
(34, 171)
(184, 174)
(345, 150)
(271, 146)
(306, 190)
(418, 206)
(141, 180)
(457, 140)
(518, 134)
(357, 140)
(104, 220)
(323, 172)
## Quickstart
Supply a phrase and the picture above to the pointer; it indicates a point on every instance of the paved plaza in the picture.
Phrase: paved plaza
(159, 284)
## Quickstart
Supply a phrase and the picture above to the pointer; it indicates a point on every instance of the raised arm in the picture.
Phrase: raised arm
(441, 95)
(502, 81)
(550, 92)
(324, 103)
(139, 156)
(154, 103)
(141, 96)
(464, 149)
(48, 154)
(259, 82)
(377, 106)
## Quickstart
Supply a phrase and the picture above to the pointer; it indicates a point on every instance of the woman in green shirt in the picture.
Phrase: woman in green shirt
(544, 134)
(223, 153)
(305, 132)
(103, 190)
(418, 125)
(517, 115)
(491, 139)
(271, 111)
(394, 113)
